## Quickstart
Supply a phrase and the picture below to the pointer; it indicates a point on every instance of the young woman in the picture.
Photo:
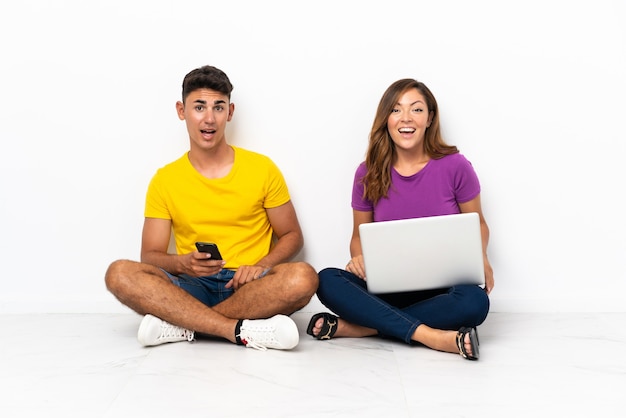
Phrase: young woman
(409, 172)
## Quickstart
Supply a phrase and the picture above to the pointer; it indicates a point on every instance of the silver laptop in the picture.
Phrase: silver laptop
(422, 253)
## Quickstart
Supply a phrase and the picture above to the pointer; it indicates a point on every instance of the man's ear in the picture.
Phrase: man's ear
(180, 109)
(231, 110)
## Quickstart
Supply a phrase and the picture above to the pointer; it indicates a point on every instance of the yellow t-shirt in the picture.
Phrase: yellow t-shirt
(229, 211)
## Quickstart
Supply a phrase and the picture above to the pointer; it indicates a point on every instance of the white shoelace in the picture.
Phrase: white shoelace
(172, 331)
(267, 332)
(278, 332)
(250, 343)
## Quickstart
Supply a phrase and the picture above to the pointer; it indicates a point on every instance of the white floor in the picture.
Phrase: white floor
(564, 365)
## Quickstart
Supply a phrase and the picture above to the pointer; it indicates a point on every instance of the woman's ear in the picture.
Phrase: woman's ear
(431, 116)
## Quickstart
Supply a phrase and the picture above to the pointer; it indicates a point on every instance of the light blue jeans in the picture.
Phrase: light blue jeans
(397, 315)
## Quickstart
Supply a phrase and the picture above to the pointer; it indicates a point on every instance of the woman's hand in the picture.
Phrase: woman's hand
(356, 266)
(489, 281)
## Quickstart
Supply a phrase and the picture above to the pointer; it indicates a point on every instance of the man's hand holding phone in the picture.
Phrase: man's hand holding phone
(207, 261)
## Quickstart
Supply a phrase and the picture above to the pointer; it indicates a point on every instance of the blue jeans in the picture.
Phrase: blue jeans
(397, 315)
(209, 290)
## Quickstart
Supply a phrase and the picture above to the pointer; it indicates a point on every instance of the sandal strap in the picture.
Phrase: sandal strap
(460, 343)
(329, 326)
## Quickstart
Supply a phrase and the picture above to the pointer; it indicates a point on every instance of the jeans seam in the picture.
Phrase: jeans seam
(414, 323)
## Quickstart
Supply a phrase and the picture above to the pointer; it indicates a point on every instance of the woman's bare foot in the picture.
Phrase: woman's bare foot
(345, 329)
(441, 340)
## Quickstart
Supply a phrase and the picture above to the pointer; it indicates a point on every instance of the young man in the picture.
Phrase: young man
(235, 198)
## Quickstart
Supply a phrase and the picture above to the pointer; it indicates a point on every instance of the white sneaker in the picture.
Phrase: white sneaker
(279, 332)
(155, 331)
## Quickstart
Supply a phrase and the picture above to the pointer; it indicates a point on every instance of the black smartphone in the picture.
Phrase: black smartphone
(211, 248)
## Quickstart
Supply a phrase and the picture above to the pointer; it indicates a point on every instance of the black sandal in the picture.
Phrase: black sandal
(329, 327)
(460, 343)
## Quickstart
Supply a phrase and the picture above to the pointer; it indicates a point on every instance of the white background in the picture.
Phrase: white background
(531, 92)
